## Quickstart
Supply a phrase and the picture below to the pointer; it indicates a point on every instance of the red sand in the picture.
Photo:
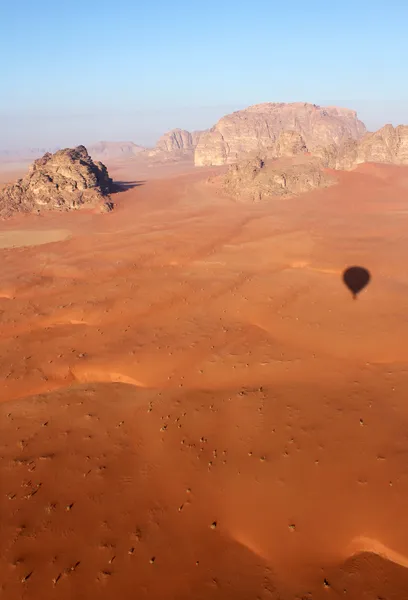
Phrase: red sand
(188, 361)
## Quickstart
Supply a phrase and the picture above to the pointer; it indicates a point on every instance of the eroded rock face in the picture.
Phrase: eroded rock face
(258, 127)
(66, 180)
(289, 143)
(259, 179)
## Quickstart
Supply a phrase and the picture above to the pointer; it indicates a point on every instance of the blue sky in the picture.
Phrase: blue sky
(79, 71)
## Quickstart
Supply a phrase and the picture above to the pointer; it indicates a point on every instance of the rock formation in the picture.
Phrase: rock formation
(176, 140)
(258, 127)
(196, 135)
(287, 144)
(114, 150)
(176, 144)
(260, 179)
(66, 180)
(387, 145)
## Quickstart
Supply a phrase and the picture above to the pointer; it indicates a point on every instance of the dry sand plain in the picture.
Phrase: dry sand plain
(193, 406)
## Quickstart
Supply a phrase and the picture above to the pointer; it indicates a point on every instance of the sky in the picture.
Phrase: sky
(79, 71)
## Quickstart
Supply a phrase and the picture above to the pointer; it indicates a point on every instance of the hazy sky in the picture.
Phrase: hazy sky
(77, 71)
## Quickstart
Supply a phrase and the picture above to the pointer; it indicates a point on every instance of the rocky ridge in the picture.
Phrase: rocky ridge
(66, 180)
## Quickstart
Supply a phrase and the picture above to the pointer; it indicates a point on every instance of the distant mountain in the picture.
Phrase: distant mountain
(25, 154)
(114, 150)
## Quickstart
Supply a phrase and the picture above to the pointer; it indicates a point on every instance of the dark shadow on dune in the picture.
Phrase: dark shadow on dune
(122, 186)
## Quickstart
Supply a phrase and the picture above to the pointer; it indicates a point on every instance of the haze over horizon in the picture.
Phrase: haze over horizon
(80, 73)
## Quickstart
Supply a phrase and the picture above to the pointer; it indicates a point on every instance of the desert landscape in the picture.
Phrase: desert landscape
(193, 405)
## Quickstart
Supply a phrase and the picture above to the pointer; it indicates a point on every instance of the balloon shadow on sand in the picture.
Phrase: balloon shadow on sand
(356, 279)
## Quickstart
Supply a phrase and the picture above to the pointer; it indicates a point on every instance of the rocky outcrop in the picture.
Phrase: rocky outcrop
(387, 145)
(114, 150)
(176, 140)
(66, 180)
(258, 127)
(175, 145)
(259, 179)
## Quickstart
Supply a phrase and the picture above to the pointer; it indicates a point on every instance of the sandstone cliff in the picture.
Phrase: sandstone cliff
(260, 179)
(66, 180)
(258, 127)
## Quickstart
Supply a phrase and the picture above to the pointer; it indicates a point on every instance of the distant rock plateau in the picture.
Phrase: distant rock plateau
(66, 180)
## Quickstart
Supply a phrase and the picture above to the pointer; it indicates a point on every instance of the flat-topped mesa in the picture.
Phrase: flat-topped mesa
(257, 128)
(66, 180)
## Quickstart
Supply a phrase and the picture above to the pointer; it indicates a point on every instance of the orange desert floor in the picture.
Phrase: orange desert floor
(193, 405)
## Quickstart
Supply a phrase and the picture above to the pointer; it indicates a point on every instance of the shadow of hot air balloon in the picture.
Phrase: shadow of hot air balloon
(356, 279)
